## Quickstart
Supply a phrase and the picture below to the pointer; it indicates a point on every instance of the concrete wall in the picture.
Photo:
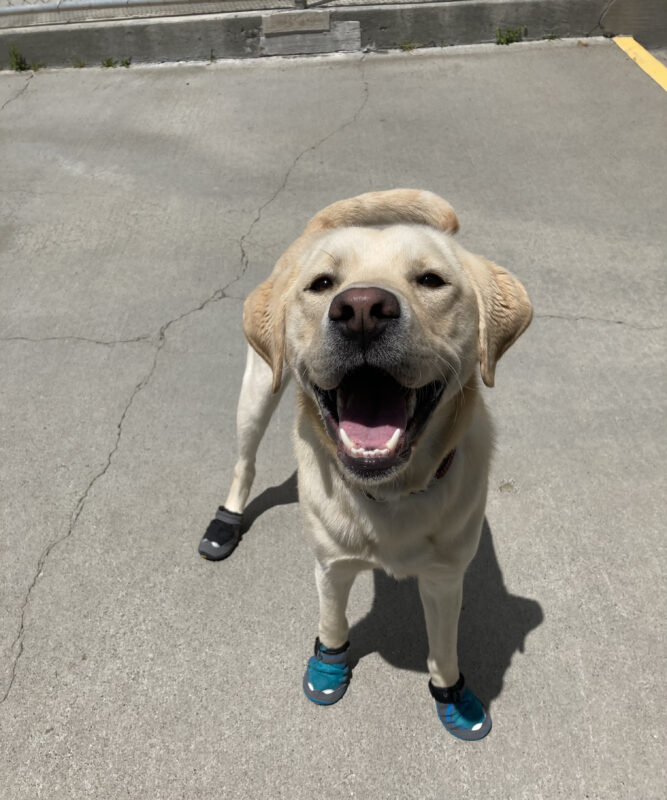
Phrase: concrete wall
(213, 36)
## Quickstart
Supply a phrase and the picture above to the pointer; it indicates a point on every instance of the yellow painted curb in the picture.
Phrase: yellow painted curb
(650, 64)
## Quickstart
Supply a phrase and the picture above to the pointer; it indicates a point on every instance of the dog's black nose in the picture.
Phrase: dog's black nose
(363, 312)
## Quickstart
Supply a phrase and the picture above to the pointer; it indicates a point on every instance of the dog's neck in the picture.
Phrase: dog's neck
(440, 473)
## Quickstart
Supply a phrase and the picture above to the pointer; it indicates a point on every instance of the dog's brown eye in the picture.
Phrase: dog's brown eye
(430, 280)
(321, 284)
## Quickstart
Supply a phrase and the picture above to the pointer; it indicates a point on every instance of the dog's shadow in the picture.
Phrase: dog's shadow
(492, 627)
(493, 624)
(281, 495)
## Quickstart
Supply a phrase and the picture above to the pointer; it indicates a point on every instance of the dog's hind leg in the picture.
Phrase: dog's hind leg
(257, 402)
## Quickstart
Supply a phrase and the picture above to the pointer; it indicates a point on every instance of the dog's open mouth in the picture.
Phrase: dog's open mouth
(374, 419)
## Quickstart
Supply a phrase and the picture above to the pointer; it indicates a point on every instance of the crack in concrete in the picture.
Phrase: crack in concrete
(17, 644)
(18, 94)
(106, 342)
(245, 259)
(78, 509)
(603, 14)
(604, 320)
(216, 296)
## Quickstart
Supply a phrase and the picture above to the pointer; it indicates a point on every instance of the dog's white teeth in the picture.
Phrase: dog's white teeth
(347, 442)
(353, 450)
(390, 446)
(361, 451)
(412, 404)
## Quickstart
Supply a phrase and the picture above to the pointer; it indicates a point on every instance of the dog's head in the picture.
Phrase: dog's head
(382, 317)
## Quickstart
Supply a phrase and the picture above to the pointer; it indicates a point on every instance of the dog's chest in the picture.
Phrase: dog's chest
(404, 534)
(403, 537)
(408, 535)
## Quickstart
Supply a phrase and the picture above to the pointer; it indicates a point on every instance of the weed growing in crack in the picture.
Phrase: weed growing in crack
(511, 35)
(17, 62)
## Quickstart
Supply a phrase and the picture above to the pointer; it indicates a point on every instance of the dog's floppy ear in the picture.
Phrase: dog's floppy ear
(264, 311)
(504, 310)
(264, 327)
(388, 208)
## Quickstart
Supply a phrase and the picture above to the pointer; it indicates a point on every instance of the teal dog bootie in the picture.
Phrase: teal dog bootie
(460, 711)
(327, 674)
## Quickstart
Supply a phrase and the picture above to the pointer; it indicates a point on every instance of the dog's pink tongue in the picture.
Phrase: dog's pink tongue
(373, 411)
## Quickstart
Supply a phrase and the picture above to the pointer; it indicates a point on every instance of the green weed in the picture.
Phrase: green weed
(511, 35)
(16, 60)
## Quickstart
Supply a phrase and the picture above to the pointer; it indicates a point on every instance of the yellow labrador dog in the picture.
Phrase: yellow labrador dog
(382, 318)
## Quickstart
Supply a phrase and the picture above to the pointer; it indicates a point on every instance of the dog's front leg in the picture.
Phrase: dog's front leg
(256, 405)
(257, 402)
(328, 673)
(334, 582)
(441, 592)
(460, 711)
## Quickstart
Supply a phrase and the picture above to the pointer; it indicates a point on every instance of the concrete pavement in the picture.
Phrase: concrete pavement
(138, 208)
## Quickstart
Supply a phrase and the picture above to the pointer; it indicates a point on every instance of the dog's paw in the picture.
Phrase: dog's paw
(460, 711)
(222, 535)
(327, 674)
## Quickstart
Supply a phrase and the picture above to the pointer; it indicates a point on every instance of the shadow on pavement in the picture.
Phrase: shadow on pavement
(281, 495)
(493, 625)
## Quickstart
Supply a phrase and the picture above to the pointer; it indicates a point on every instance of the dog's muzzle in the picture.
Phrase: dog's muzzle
(371, 416)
